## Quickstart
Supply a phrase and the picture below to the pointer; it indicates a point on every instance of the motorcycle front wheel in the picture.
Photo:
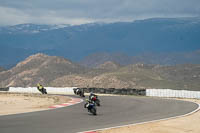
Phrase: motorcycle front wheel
(93, 111)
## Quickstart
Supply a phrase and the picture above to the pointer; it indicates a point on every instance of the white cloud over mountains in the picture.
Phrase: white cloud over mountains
(87, 11)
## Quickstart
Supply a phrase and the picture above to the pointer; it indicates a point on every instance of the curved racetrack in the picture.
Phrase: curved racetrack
(115, 111)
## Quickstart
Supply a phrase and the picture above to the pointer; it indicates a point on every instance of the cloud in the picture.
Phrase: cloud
(12, 16)
(84, 11)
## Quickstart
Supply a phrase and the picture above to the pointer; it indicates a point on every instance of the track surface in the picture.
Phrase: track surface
(114, 111)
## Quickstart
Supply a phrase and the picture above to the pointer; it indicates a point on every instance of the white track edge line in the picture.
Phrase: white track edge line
(140, 123)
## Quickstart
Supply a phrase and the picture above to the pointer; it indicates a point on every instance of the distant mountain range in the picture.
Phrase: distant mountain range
(60, 72)
(148, 40)
(174, 58)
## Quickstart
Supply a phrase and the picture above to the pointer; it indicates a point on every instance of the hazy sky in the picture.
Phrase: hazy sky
(86, 11)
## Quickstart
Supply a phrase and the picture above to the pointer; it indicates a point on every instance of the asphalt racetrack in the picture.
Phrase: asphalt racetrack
(115, 111)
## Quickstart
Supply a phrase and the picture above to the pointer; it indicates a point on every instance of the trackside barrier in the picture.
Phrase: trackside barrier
(123, 91)
(4, 89)
(172, 93)
(126, 91)
(49, 90)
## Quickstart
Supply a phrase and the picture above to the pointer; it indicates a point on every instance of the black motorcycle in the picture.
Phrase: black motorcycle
(42, 90)
(91, 107)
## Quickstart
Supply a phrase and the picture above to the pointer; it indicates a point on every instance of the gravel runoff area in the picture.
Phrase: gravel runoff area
(186, 124)
(13, 103)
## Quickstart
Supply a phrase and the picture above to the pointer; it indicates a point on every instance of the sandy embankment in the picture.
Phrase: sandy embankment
(12, 103)
(187, 124)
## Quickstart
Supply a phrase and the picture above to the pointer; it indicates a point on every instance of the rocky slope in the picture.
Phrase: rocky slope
(60, 72)
(2, 69)
(39, 68)
(94, 60)
(139, 76)
(109, 65)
